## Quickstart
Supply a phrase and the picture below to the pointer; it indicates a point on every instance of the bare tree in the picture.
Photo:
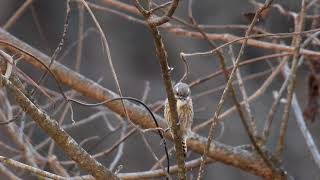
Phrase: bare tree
(69, 108)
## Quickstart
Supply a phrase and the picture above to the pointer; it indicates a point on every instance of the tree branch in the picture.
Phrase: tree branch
(64, 141)
(237, 157)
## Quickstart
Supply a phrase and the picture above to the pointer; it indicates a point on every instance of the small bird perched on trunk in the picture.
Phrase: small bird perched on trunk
(182, 94)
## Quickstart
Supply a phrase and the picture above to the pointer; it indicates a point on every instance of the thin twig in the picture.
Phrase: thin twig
(301, 123)
(17, 14)
(226, 37)
(222, 99)
(243, 91)
(144, 98)
(80, 35)
(273, 109)
(59, 47)
(65, 142)
(6, 172)
(299, 25)
(219, 88)
(245, 62)
(190, 165)
(120, 149)
(236, 157)
(255, 95)
(85, 120)
(155, 156)
(37, 171)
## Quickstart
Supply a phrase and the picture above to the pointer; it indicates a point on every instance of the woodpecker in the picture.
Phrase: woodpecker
(182, 94)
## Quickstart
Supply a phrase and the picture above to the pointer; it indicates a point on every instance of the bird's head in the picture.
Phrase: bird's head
(182, 92)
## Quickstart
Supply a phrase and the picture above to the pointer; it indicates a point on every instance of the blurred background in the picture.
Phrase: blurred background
(133, 54)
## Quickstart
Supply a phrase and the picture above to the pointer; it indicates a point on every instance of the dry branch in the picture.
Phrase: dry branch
(16, 164)
(225, 37)
(237, 157)
(61, 138)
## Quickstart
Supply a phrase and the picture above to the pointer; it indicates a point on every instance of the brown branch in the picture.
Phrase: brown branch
(153, 23)
(6, 172)
(219, 72)
(222, 37)
(171, 99)
(17, 14)
(157, 21)
(238, 106)
(229, 38)
(229, 86)
(254, 96)
(16, 164)
(23, 145)
(221, 87)
(243, 91)
(159, 173)
(59, 47)
(61, 138)
(285, 12)
(301, 123)
(299, 26)
(272, 112)
(247, 161)
(245, 62)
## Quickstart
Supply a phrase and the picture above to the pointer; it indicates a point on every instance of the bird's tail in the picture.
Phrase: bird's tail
(184, 146)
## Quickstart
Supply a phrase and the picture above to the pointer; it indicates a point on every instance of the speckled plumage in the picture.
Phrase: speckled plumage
(184, 109)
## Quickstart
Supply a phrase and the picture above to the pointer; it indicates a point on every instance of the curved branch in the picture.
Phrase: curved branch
(65, 142)
(237, 157)
(221, 37)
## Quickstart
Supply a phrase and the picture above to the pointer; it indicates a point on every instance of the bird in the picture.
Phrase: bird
(184, 104)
